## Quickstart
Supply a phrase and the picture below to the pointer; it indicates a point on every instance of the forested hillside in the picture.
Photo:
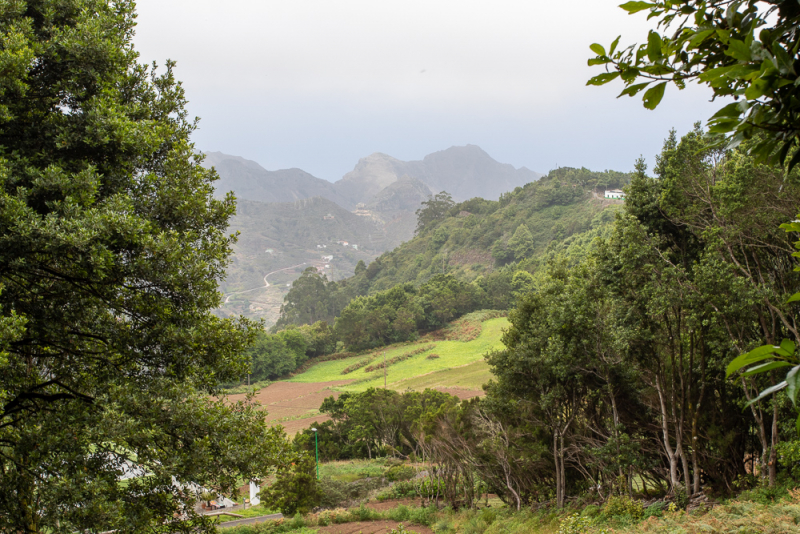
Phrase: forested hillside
(613, 380)
(480, 242)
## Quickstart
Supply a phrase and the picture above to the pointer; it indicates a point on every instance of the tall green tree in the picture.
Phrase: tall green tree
(434, 209)
(111, 249)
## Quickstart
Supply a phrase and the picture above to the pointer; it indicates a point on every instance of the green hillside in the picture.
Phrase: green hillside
(475, 237)
(481, 241)
(292, 236)
(459, 363)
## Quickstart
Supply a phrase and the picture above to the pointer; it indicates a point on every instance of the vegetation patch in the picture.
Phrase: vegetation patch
(466, 328)
(358, 365)
(400, 358)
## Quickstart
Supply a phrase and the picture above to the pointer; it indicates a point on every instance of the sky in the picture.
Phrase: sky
(319, 84)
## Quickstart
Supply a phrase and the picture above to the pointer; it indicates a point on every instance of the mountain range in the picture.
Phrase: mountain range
(289, 219)
(463, 171)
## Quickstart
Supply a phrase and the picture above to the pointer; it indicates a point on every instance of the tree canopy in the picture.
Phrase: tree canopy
(745, 49)
(111, 249)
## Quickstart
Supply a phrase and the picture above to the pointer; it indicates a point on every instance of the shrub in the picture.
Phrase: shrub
(591, 511)
(681, 497)
(621, 506)
(655, 510)
(574, 524)
(431, 356)
(400, 472)
(400, 358)
(398, 491)
(357, 365)
(334, 492)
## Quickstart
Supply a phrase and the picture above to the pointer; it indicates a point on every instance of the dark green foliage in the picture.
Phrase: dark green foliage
(400, 472)
(613, 374)
(296, 489)
(434, 209)
(748, 49)
(111, 250)
(375, 420)
(472, 247)
(401, 313)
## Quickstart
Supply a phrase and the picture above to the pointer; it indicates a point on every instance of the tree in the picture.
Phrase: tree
(745, 49)
(521, 243)
(434, 209)
(111, 250)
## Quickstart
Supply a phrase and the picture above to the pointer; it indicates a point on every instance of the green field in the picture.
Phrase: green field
(460, 364)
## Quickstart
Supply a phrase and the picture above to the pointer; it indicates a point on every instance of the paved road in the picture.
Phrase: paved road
(249, 520)
(266, 284)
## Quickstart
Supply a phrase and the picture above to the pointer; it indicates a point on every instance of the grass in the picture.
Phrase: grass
(352, 470)
(253, 511)
(460, 364)
(470, 376)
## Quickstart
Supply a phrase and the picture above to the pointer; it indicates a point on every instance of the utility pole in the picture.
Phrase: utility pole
(384, 369)
(316, 449)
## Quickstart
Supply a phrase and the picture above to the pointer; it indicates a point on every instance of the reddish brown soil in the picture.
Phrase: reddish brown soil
(294, 399)
(462, 394)
(391, 503)
(371, 527)
(296, 425)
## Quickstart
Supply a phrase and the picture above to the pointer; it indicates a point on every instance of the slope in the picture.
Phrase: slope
(284, 239)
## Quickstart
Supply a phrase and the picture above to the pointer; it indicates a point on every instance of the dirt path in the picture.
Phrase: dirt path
(266, 284)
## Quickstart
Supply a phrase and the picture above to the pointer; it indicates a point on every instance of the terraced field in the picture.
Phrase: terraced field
(459, 370)
(459, 365)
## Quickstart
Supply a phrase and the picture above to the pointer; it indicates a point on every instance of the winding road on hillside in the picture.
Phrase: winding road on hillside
(266, 284)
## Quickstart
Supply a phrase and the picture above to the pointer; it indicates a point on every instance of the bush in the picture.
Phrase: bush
(574, 524)
(655, 510)
(398, 491)
(431, 356)
(334, 493)
(400, 472)
(681, 497)
(622, 506)
(591, 511)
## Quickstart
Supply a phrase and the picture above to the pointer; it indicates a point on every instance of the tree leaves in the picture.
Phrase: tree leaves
(736, 48)
(652, 98)
(635, 7)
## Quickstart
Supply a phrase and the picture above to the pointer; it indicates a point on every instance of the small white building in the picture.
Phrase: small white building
(615, 194)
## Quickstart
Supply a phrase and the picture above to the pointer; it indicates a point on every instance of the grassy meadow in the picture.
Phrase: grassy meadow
(460, 364)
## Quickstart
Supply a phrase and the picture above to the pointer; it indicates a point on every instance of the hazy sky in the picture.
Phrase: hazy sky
(318, 84)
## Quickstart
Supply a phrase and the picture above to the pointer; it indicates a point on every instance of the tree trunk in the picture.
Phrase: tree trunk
(563, 476)
(558, 469)
(773, 451)
(673, 461)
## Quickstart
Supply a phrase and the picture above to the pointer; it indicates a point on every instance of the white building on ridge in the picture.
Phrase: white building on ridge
(615, 194)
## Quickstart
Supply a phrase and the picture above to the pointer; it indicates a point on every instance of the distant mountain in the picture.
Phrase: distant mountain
(289, 220)
(250, 181)
(464, 172)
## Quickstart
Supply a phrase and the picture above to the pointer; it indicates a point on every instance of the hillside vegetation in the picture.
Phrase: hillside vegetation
(479, 241)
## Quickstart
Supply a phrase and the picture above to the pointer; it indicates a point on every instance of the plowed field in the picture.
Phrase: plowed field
(295, 405)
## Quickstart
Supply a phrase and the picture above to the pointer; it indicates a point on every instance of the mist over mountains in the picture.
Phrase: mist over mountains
(289, 219)
(464, 172)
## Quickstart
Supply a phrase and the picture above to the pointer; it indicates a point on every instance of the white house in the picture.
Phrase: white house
(615, 193)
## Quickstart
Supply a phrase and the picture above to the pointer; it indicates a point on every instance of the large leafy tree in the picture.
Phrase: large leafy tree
(745, 49)
(111, 247)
